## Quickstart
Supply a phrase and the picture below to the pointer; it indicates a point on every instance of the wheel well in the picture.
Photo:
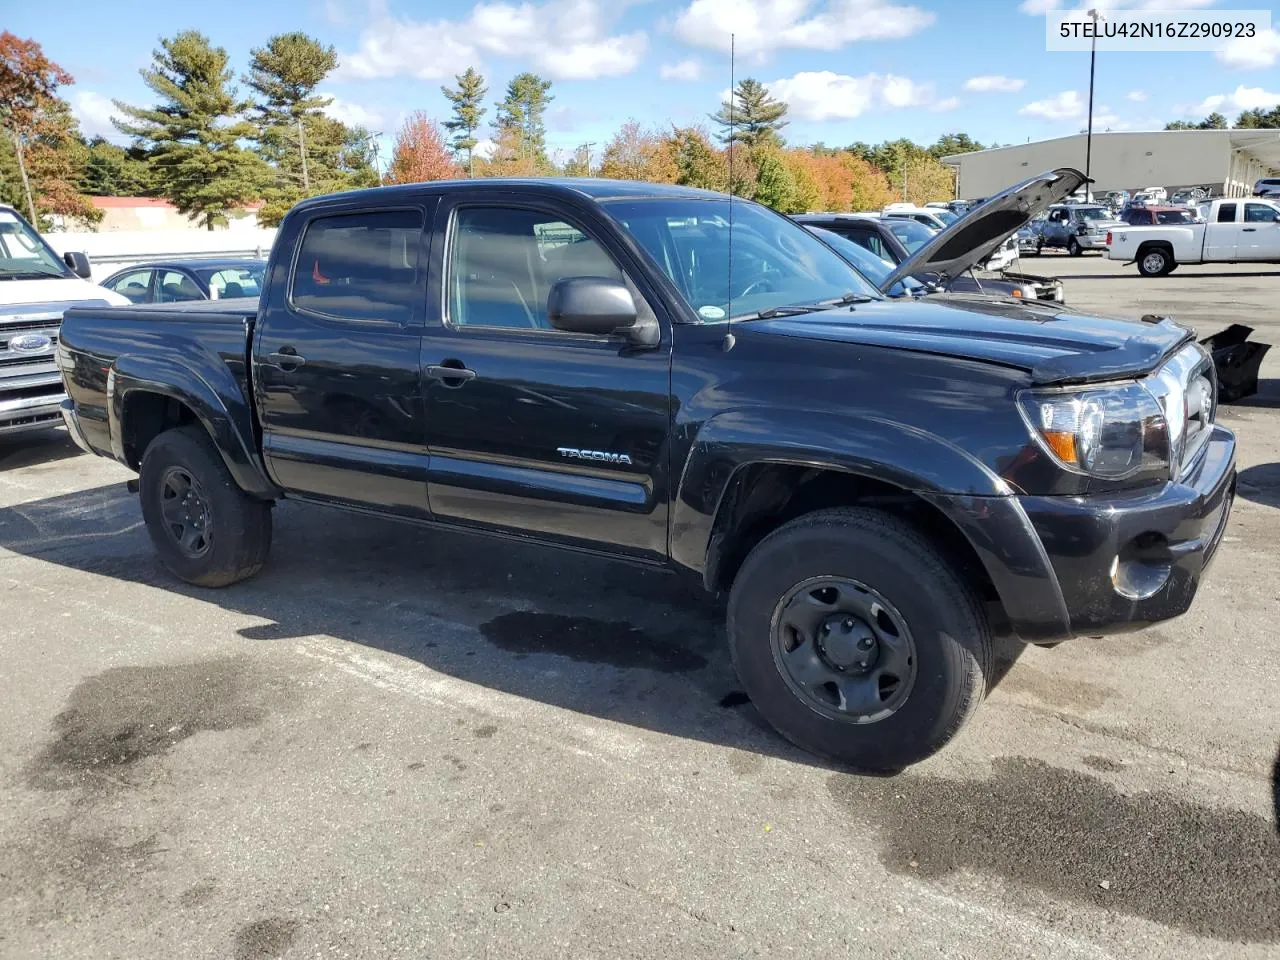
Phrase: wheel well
(1154, 245)
(146, 415)
(762, 497)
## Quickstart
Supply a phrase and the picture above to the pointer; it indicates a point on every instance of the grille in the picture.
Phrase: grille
(48, 327)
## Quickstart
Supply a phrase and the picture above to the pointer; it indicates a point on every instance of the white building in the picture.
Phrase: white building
(1227, 162)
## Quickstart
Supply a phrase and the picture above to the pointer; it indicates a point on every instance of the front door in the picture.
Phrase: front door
(336, 360)
(1259, 233)
(531, 429)
(1222, 234)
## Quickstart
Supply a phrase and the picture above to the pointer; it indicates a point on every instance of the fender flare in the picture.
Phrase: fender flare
(220, 408)
(872, 447)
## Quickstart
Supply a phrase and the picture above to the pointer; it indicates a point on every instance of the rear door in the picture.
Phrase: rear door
(1222, 234)
(540, 431)
(135, 285)
(336, 357)
(1259, 233)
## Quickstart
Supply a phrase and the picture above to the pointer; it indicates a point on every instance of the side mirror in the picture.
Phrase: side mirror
(593, 305)
(78, 263)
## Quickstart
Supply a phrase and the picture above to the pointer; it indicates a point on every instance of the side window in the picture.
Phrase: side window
(869, 240)
(361, 266)
(233, 282)
(1259, 213)
(503, 262)
(134, 286)
(1227, 213)
(175, 286)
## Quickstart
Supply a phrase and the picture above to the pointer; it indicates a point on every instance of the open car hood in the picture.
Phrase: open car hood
(980, 232)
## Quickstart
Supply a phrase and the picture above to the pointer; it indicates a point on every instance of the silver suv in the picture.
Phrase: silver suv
(1078, 227)
(1267, 187)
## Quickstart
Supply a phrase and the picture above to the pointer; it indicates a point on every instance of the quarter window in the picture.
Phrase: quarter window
(504, 261)
(360, 266)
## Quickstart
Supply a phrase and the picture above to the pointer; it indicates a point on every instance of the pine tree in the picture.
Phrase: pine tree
(522, 112)
(468, 111)
(309, 151)
(751, 116)
(113, 171)
(193, 135)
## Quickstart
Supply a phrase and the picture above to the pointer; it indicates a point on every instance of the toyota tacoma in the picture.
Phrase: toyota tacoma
(878, 486)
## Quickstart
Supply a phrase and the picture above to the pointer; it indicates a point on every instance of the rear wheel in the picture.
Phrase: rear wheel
(1155, 262)
(857, 640)
(206, 530)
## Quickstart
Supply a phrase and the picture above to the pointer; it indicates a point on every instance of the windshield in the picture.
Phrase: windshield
(911, 233)
(1093, 213)
(23, 255)
(230, 282)
(775, 262)
(874, 268)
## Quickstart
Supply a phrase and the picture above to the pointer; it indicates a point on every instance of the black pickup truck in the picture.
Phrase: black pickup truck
(878, 485)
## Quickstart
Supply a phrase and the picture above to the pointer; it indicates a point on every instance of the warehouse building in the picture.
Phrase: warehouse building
(1226, 162)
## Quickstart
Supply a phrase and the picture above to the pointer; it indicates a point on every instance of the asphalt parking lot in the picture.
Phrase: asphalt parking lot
(396, 742)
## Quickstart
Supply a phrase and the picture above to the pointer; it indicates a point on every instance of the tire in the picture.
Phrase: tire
(1155, 262)
(230, 534)
(1074, 248)
(944, 621)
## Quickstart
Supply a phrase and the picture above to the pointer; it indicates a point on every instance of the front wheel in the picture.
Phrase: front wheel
(1074, 248)
(1155, 263)
(856, 639)
(207, 530)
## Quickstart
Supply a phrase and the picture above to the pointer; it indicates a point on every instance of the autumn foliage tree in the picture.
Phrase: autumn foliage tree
(635, 153)
(421, 153)
(41, 133)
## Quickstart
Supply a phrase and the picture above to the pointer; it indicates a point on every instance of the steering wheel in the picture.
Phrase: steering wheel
(765, 284)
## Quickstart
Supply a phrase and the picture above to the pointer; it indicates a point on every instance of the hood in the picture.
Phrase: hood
(980, 232)
(1054, 344)
(55, 290)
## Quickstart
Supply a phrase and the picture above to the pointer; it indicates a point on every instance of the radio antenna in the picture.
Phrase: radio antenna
(733, 116)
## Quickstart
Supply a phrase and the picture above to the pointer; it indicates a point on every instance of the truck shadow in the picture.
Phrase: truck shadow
(601, 638)
(1260, 483)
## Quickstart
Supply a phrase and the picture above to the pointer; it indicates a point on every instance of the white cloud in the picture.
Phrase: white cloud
(1137, 96)
(1252, 53)
(94, 113)
(684, 70)
(994, 83)
(1104, 118)
(823, 95)
(564, 39)
(1067, 105)
(761, 26)
(1242, 98)
(353, 114)
(1041, 7)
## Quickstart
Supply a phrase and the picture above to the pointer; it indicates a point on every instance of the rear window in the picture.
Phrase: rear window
(360, 266)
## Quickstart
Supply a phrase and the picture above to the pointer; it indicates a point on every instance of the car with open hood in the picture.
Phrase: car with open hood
(683, 380)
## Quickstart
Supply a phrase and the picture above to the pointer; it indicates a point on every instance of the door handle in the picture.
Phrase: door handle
(451, 373)
(1249, 230)
(287, 359)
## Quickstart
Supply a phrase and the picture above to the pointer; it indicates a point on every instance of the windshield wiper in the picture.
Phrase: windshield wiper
(851, 297)
(31, 275)
(787, 310)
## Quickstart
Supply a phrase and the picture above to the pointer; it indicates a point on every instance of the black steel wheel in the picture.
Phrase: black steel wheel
(206, 530)
(858, 639)
(186, 512)
(843, 649)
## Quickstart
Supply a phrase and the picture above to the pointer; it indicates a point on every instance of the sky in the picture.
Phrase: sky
(867, 70)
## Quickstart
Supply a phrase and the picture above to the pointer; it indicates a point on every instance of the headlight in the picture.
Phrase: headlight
(1111, 432)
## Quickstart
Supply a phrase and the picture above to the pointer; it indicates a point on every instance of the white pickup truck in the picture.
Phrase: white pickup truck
(1242, 230)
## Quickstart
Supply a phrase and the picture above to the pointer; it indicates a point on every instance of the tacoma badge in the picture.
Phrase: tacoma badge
(603, 456)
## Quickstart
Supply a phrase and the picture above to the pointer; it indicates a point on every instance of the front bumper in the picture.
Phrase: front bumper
(19, 414)
(1086, 566)
(1092, 241)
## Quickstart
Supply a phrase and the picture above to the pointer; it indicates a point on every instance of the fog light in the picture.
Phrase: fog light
(1142, 568)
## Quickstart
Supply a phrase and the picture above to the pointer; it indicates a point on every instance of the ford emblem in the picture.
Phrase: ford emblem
(30, 343)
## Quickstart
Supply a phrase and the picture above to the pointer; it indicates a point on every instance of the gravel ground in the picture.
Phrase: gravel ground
(396, 742)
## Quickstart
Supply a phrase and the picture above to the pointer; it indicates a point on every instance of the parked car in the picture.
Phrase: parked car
(869, 265)
(601, 370)
(1147, 216)
(1235, 231)
(36, 285)
(1077, 227)
(937, 219)
(1115, 200)
(1189, 197)
(1028, 238)
(1267, 187)
(173, 281)
(897, 240)
(1155, 194)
